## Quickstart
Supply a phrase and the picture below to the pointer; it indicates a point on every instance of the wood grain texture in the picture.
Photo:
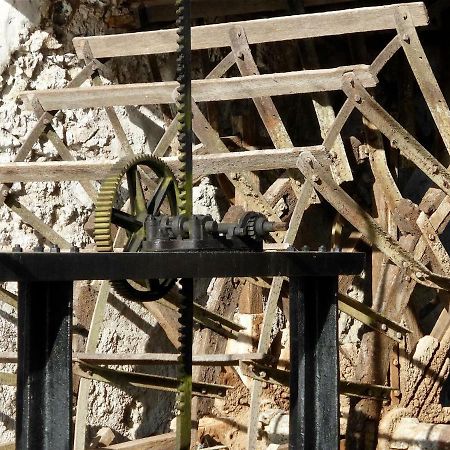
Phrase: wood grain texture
(235, 88)
(251, 160)
(258, 31)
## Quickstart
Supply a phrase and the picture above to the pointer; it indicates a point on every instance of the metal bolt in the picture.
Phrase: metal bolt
(435, 169)
(4, 193)
(406, 37)
(322, 248)
(384, 327)
(395, 362)
(431, 237)
(263, 374)
(419, 275)
(399, 335)
(358, 98)
(397, 393)
(394, 143)
(305, 248)
(38, 248)
(54, 249)
(445, 183)
(204, 391)
(407, 278)
(17, 248)
(74, 248)
(315, 178)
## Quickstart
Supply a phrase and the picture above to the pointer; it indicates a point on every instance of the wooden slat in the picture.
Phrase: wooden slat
(161, 442)
(236, 88)
(258, 31)
(251, 160)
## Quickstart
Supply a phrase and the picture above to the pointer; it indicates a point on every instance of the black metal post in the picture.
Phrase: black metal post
(44, 372)
(314, 383)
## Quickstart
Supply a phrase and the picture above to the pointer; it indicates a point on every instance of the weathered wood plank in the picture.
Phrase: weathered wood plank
(258, 31)
(161, 442)
(209, 164)
(235, 88)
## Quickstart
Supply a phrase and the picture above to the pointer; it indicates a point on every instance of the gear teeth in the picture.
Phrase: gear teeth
(103, 225)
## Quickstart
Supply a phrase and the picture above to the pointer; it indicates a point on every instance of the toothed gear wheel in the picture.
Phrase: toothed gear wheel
(249, 223)
(108, 215)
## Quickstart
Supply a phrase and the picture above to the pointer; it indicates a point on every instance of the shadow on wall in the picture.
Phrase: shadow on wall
(29, 9)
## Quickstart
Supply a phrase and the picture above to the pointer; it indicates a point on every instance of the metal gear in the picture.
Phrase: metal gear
(106, 216)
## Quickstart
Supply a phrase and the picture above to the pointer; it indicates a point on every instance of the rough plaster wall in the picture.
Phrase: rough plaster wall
(31, 57)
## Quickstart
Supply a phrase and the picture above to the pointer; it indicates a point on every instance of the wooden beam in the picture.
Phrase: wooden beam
(251, 160)
(235, 88)
(258, 31)
(161, 442)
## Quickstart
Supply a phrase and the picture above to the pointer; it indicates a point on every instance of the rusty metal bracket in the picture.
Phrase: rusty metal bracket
(125, 380)
(372, 319)
(398, 136)
(208, 319)
(363, 222)
(280, 377)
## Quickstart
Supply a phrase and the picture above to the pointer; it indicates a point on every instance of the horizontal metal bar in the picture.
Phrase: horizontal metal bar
(372, 319)
(202, 264)
(144, 359)
(281, 378)
(145, 381)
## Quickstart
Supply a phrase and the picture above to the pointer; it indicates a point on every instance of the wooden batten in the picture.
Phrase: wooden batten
(210, 164)
(258, 31)
(207, 90)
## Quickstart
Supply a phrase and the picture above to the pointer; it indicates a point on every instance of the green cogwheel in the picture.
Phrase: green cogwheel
(108, 216)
